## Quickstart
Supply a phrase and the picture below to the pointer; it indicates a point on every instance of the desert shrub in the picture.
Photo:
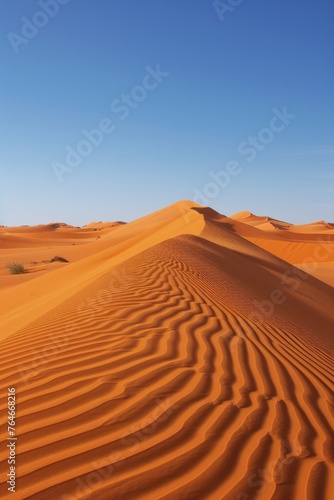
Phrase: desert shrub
(15, 267)
(58, 259)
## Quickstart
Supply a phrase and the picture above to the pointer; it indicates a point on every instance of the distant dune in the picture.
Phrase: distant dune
(309, 246)
(184, 355)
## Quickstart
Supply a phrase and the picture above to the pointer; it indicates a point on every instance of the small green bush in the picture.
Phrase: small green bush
(15, 268)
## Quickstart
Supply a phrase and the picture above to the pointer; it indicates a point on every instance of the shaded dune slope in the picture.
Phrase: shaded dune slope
(161, 379)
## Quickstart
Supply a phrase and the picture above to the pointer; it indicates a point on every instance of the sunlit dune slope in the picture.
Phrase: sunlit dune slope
(179, 360)
(18, 306)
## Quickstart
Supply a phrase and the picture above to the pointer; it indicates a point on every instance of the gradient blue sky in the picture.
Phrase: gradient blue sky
(225, 77)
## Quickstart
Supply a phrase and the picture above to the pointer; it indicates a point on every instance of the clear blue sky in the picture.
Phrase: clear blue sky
(225, 78)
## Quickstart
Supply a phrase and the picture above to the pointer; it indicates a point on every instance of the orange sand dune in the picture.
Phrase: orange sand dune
(34, 246)
(102, 225)
(262, 221)
(304, 232)
(174, 358)
(310, 247)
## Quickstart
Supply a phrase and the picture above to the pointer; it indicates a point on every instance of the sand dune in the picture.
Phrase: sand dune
(285, 229)
(180, 356)
(35, 246)
(310, 247)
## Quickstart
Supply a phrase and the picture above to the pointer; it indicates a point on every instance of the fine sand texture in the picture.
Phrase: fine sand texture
(185, 355)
